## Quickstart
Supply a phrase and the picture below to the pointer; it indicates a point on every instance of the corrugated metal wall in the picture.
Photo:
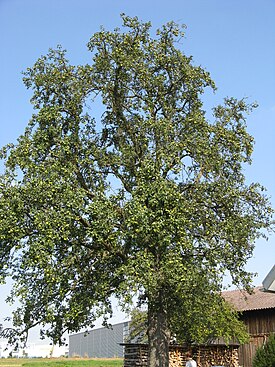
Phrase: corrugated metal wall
(99, 343)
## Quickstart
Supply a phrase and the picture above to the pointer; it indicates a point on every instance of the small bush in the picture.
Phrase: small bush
(265, 355)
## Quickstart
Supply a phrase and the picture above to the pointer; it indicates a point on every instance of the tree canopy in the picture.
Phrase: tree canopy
(121, 186)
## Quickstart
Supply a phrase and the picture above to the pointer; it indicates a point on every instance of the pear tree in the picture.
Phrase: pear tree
(121, 186)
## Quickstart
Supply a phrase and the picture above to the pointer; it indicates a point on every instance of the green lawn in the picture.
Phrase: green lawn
(61, 362)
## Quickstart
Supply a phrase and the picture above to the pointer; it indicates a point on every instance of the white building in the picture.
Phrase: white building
(33, 350)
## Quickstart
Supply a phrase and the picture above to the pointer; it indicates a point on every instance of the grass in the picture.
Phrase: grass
(61, 362)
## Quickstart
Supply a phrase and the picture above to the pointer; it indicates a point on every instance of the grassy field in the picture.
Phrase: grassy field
(61, 362)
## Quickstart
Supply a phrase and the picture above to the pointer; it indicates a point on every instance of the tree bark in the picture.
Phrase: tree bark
(158, 334)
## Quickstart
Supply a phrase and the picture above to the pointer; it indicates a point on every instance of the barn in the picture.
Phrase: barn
(258, 313)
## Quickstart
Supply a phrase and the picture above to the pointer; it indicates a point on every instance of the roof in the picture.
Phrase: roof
(258, 300)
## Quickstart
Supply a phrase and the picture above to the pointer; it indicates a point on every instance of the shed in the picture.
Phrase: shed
(257, 311)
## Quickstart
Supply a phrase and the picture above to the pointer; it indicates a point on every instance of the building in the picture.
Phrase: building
(99, 343)
(32, 350)
(258, 313)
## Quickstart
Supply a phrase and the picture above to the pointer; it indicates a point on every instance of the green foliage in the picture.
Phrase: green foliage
(265, 355)
(138, 327)
(120, 186)
(195, 316)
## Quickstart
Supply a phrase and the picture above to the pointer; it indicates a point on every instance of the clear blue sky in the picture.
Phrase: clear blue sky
(234, 40)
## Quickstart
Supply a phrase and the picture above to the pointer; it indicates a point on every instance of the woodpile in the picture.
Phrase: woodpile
(218, 355)
(177, 358)
(136, 355)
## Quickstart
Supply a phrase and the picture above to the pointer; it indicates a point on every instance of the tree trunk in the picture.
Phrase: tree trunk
(158, 334)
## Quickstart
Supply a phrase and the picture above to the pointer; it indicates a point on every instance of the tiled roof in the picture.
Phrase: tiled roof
(256, 301)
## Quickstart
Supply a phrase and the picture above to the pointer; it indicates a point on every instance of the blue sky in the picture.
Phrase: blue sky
(234, 40)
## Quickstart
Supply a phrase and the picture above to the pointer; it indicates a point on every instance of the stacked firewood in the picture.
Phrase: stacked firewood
(207, 357)
(176, 358)
(136, 355)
